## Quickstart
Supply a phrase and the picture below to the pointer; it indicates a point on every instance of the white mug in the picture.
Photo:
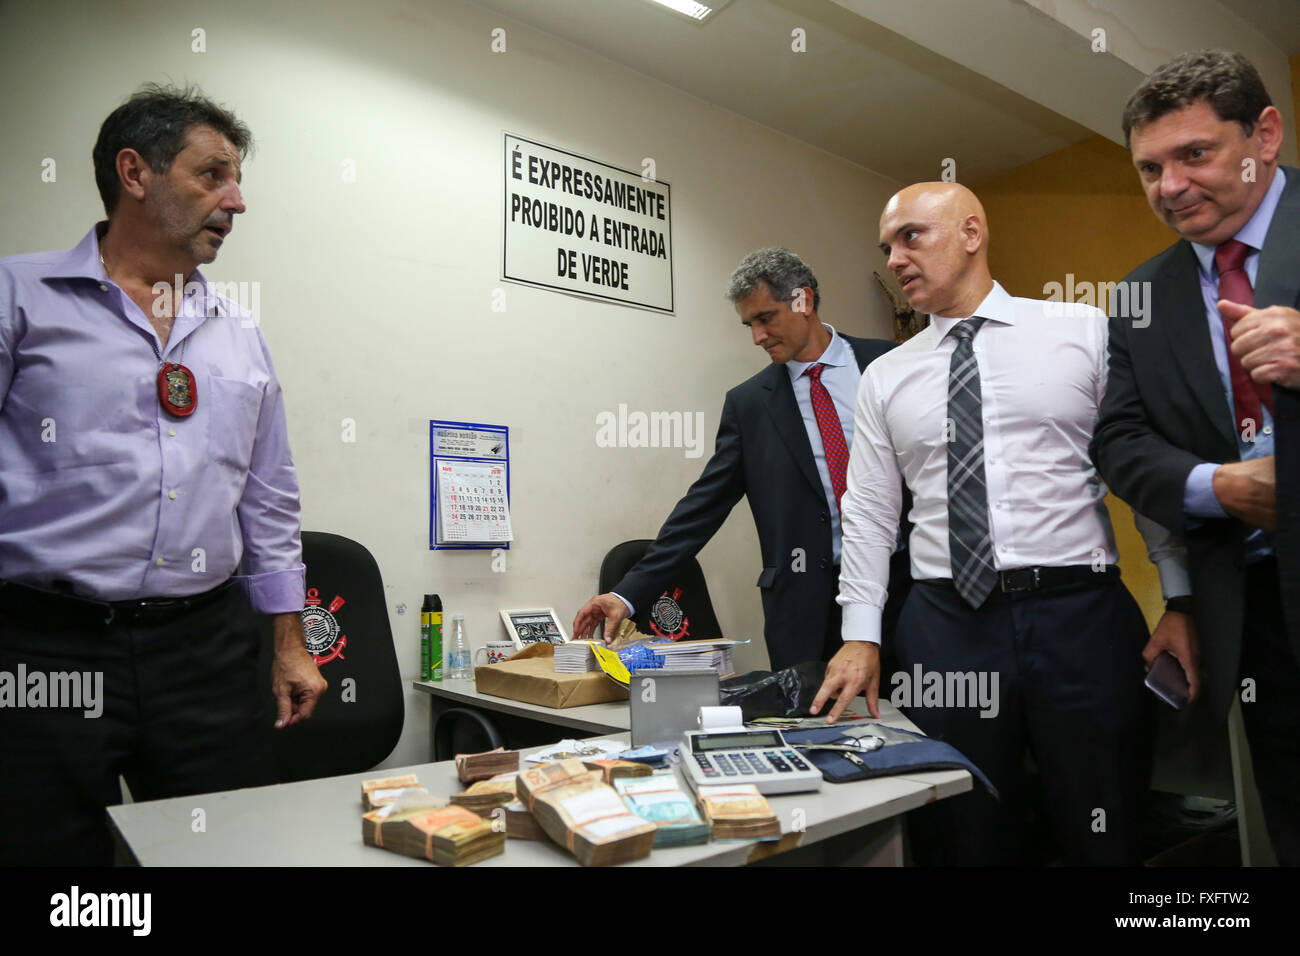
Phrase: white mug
(496, 651)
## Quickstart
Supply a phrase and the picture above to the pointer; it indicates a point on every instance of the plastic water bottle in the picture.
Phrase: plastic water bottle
(459, 658)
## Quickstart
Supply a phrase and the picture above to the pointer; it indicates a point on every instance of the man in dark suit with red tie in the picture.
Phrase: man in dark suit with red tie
(783, 444)
(1201, 419)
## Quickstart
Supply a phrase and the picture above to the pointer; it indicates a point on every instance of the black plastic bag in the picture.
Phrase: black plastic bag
(784, 693)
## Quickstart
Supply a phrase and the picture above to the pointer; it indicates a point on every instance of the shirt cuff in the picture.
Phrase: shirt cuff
(1175, 581)
(276, 592)
(631, 611)
(1199, 500)
(861, 623)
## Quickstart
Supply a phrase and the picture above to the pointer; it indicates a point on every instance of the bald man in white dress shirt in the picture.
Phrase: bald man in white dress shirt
(987, 415)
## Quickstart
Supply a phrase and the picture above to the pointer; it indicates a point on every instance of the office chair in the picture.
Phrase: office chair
(444, 747)
(684, 604)
(357, 722)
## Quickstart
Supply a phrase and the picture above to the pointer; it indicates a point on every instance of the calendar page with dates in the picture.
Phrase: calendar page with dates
(472, 503)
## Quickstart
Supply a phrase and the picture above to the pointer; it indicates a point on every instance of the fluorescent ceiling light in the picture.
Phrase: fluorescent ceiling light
(695, 12)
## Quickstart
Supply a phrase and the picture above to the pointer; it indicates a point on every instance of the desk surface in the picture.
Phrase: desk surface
(593, 718)
(318, 822)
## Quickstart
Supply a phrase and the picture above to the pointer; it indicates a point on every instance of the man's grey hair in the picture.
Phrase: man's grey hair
(781, 270)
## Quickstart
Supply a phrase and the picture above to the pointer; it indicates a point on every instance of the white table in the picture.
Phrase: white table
(318, 822)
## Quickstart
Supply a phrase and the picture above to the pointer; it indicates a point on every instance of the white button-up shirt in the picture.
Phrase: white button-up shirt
(1042, 375)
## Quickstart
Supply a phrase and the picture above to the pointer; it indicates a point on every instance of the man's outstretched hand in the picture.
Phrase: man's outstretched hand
(605, 607)
(855, 667)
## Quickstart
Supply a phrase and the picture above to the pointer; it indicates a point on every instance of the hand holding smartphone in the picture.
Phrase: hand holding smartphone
(1167, 680)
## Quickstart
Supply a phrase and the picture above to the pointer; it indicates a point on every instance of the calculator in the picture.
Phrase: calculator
(760, 757)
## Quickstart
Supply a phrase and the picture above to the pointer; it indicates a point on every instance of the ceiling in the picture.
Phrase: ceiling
(860, 91)
(1279, 20)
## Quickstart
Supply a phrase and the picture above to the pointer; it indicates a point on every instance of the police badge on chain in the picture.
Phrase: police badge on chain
(177, 389)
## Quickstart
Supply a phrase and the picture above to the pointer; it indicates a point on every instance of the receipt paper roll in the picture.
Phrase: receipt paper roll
(721, 718)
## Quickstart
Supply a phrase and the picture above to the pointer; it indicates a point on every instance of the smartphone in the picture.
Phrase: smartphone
(1167, 680)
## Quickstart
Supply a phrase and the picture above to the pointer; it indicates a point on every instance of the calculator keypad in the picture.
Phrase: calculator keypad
(738, 764)
(793, 757)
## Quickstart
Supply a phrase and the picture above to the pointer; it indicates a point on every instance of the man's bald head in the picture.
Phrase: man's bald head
(936, 238)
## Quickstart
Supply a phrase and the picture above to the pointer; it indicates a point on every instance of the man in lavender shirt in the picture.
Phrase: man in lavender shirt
(147, 500)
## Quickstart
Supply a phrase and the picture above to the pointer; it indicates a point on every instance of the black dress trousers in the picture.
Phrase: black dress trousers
(171, 704)
(1069, 692)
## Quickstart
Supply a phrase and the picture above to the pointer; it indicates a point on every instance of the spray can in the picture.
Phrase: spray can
(431, 638)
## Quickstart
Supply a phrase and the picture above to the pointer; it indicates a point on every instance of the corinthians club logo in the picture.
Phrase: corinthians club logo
(324, 642)
(667, 618)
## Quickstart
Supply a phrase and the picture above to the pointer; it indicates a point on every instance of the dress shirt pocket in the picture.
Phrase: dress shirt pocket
(767, 578)
(232, 421)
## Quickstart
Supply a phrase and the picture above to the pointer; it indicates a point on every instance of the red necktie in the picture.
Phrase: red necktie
(828, 423)
(1234, 285)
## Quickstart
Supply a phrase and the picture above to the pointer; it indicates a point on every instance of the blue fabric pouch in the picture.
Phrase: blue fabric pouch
(904, 752)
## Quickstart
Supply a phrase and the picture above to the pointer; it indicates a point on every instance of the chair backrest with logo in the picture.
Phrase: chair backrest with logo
(357, 723)
(683, 609)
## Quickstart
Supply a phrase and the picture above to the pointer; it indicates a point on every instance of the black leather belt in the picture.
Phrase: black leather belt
(41, 605)
(1040, 578)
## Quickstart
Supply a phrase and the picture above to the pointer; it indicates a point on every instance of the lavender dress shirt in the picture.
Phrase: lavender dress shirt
(102, 491)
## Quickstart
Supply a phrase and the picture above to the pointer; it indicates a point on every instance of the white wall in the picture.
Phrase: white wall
(376, 295)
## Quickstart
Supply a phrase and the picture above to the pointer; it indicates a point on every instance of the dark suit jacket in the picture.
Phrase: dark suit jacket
(1165, 412)
(762, 452)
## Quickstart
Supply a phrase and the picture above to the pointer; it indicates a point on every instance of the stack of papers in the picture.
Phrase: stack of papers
(575, 657)
(715, 655)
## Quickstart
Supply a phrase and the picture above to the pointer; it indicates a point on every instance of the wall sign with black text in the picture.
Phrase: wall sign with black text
(577, 225)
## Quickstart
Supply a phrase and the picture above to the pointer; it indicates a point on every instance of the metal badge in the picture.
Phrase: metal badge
(177, 389)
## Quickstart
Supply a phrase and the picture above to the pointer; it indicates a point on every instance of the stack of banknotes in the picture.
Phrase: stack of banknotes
(576, 810)
(738, 812)
(484, 796)
(660, 799)
(471, 767)
(382, 791)
(447, 835)
(611, 770)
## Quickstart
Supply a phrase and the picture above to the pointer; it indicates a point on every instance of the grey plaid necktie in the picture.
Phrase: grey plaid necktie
(970, 548)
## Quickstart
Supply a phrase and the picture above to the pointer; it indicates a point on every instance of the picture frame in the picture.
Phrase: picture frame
(526, 626)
